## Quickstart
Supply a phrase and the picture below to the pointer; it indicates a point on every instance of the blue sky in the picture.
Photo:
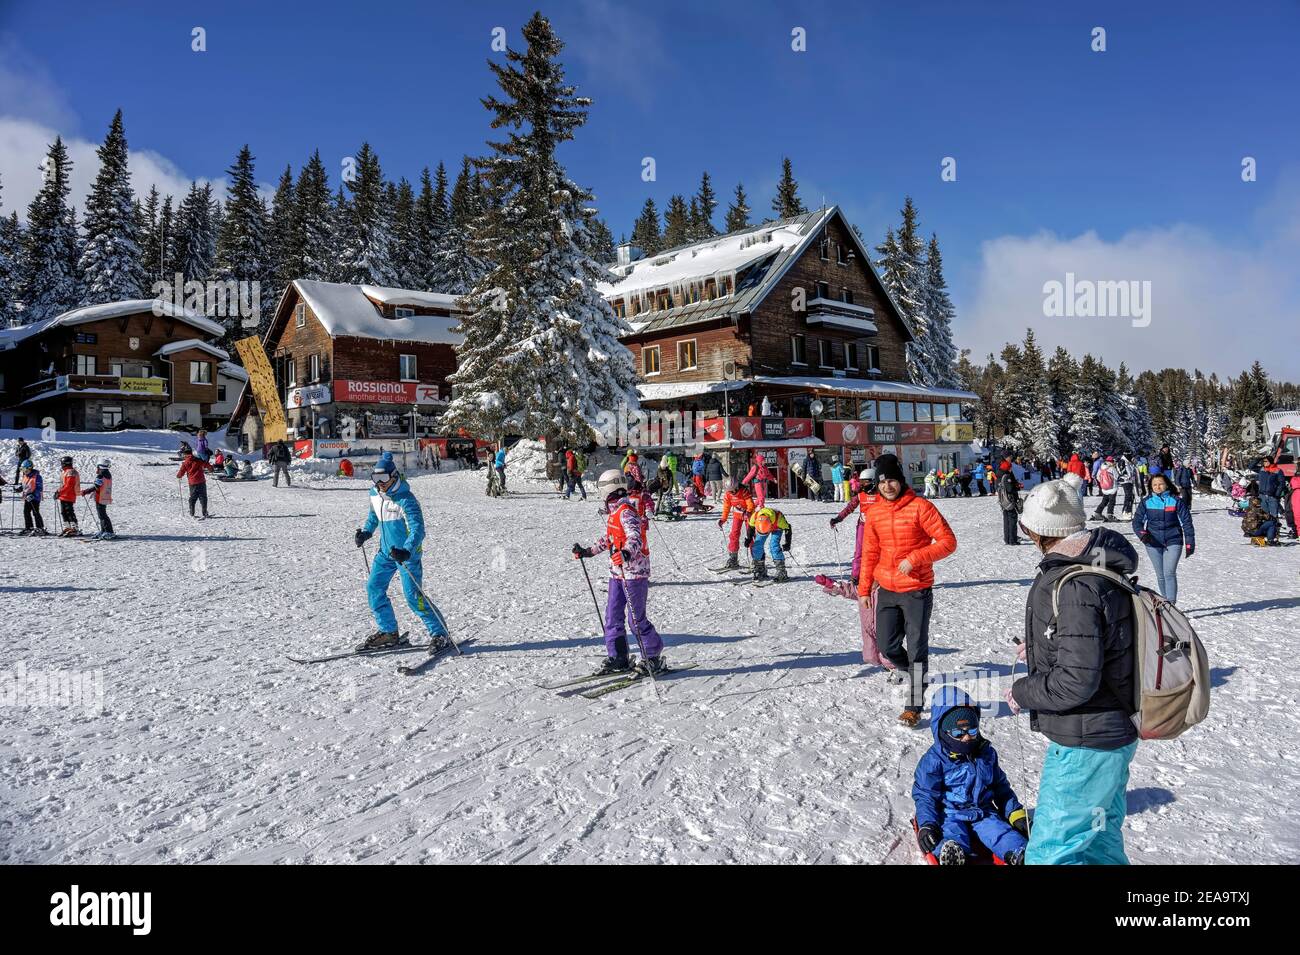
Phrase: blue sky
(1125, 163)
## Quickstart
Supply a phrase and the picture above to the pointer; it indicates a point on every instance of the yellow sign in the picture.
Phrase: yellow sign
(955, 431)
(143, 386)
(261, 379)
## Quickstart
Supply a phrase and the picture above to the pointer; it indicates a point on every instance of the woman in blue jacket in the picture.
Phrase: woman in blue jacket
(1163, 523)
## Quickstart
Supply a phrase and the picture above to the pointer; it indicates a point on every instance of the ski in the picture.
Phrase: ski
(597, 692)
(424, 665)
(587, 678)
(403, 645)
(724, 569)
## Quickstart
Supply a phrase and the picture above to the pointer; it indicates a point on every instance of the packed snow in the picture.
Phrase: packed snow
(204, 743)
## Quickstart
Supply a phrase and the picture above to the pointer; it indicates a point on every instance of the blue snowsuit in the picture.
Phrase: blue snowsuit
(964, 793)
(396, 513)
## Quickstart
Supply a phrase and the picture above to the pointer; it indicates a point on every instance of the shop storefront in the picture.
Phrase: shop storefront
(920, 446)
(780, 441)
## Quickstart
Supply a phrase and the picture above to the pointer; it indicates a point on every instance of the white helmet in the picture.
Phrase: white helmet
(868, 474)
(611, 479)
(102, 463)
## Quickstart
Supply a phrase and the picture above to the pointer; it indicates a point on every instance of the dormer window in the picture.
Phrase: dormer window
(300, 315)
(401, 312)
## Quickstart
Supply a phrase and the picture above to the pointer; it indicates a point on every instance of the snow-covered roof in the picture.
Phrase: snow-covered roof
(345, 310)
(669, 390)
(406, 296)
(231, 370)
(98, 313)
(187, 343)
(866, 386)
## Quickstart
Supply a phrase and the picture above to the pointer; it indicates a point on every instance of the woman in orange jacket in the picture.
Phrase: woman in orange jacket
(902, 538)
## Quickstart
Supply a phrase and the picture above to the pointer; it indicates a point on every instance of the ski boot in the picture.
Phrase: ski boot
(380, 639)
(781, 575)
(438, 643)
(40, 532)
(651, 667)
(950, 853)
(1014, 857)
(733, 562)
(760, 569)
(614, 665)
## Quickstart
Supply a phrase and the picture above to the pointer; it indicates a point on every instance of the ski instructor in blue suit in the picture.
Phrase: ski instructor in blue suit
(396, 513)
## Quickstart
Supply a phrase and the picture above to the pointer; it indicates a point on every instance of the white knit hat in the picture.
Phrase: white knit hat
(1073, 480)
(1054, 509)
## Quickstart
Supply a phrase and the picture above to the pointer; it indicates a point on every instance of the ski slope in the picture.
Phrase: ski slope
(781, 746)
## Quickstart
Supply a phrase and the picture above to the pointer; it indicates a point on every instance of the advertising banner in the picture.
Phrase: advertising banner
(757, 429)
(143, 386)
(308, 395)
(385, 392)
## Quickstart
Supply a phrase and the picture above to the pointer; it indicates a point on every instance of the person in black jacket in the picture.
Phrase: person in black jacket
(1080, 689)
(1009, 501)
(280, 458)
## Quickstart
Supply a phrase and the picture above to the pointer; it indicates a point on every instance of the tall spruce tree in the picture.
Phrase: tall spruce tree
(939, 312)
(601, 241)
(402, 201)
(314, 249)
(703, 205)
(243, 255)
(1034, 429)
(283, 246)
(738, 211)
(645, 232)
(367, 252)
(10, 253)
(1062, 374)
(48, 273)
(459, 268)
(677, 223)
(541, 354)
(786, 203)
(150, 238)
(194, 242)
(431, 217)
(901, 271)
(110, 260)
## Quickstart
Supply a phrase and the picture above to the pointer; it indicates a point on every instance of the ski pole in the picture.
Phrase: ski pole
(839, 560)
(366, 558)
(594, 602)
(660, 538)
(432, 606)
(636, 629)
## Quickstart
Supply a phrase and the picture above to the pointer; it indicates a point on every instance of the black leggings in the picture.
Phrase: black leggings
(68, 512)
(32, 511)
(906, 617)
(199, 493)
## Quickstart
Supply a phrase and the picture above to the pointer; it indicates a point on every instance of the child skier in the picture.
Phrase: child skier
(769, 526)
(192, 470)
(101, 494)
(33, 488)
(738, 503)
(67, 495)
(960, 791)
(396, 513)
(629, 582)
(757, 477)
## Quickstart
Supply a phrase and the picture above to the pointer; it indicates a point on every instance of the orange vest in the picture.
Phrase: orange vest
(616, 533)
(104, 493)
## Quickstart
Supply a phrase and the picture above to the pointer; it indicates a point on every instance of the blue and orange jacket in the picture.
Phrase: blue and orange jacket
(1166, 518)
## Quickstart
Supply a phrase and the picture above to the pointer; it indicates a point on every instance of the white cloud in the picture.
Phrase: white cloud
(1216, 304)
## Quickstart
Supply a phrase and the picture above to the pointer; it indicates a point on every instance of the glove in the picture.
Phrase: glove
(785, 544)
(579, 552)
(1011, 703)
(1019, 821)
(749, 538)
(626, 555)
(399, 554)
(834, 521)
(720, 522)
(1191, 549)
(929, 836)
(1146, 538)
(362, 536)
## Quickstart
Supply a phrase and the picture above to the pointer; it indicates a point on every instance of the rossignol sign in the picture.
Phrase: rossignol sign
(385, 392)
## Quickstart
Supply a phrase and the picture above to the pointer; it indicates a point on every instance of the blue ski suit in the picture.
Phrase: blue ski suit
(965, 794)
(396, 514)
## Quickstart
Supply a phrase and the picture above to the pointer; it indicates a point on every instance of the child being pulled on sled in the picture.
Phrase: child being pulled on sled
(960, 791)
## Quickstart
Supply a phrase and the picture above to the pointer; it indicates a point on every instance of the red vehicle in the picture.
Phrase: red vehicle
(1286, 450)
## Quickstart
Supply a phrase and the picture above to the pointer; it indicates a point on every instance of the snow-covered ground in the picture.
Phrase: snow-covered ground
(208, 745)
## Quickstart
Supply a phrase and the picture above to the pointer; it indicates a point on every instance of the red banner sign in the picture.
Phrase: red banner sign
(757, 429)
(385, 392)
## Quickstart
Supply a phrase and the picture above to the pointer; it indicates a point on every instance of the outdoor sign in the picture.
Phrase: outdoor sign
(386, 392)
(309, 395)
(912, 433)
(143, 386)
(757, 429)
(849, 433)
(883, 433)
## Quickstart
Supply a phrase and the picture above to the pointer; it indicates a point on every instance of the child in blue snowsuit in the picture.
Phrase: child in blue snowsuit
(960, 791)
(396, 514)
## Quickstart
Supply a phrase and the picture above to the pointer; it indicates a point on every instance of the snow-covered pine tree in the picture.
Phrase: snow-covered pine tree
(431, 217)
(738, 211)
(645, 232)
(48, 273)
(703, 205)
(1035, 430)
(366, 255)
(677, 223)
(402, 201)
(151, 239)
(939, 311)
(900, 269)
(110, 259)
(1010, 398)
(283, 249)
(313, 217)
(786, 203)
(458, 268)
(340, 222)
(601, 241)
(166, 264)
(1062, 376)
(243, 255)
(11, 235)
(1092, 412)
(194, 243)
(541, 354)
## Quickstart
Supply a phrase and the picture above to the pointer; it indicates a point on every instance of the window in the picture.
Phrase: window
(842, 254)
(851, 356)
(401, 312)
(873, 358)
(954, 411)
(300, 314)
(823, 290)
(200, 373)
(826, 250)
(110, 417)
(146, 371)
(686, 355)
(923, 410)
(620, 309)
(314, 367)
(664, 300)
(291, 372)
(85, 365)
(824, 354)
(221, 393)
(407, 368)
(867, 409)
(888, 411)
(906, 411)
(650, 361)
(115, 369)
(798, 350)
(847, 295)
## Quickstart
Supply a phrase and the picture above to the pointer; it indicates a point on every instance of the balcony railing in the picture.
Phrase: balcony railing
(62, 384)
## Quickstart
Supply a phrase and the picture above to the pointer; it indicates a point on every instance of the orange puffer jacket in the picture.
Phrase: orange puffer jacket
(909, 528)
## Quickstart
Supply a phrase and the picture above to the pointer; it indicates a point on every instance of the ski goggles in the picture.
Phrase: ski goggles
(381, 477)
(959, 731)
